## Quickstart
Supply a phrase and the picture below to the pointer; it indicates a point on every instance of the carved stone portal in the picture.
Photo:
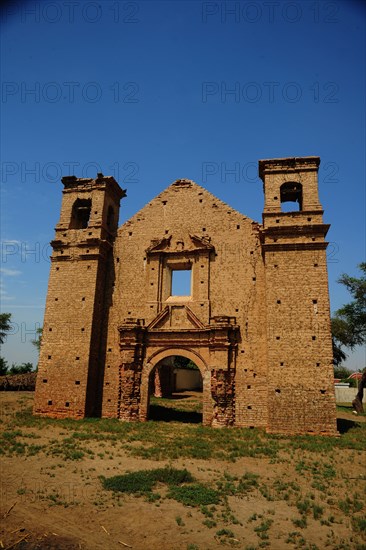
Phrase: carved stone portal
(213, 346)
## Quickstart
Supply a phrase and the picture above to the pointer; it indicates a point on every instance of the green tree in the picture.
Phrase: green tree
(38, 339)
(5, 325)
(349, 322)
(340, 337)
(184, 363)
(342, 372)
(21, 369)
(3, 366)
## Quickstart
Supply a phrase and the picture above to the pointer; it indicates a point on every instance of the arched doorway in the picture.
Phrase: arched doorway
(165, 385)
(212, 348)
(175, 391)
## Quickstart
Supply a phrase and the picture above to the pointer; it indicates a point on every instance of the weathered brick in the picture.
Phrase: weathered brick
(256, 324)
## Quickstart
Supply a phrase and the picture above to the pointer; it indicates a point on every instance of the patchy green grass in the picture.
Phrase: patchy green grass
(300, 523)
(351, 505)
(210, 523)
(153, 440)
(359, 524)
(233, 485)
(179, 521)
(313, 476)
(12, 443)
(347, 407)
(263, 528)
(196, 494)
(144, 481)
(184, 404)
(179, 482)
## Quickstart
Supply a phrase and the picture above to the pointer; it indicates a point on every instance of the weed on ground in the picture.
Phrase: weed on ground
(234, 487)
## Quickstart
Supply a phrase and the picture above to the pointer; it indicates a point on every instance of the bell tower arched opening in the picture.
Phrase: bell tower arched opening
(80, 214)
(291, 196)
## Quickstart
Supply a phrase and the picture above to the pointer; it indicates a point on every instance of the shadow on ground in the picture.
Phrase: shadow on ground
(343, 425)
(165, 414)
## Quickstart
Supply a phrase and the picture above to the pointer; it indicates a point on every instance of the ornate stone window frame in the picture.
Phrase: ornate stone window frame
(167, 254)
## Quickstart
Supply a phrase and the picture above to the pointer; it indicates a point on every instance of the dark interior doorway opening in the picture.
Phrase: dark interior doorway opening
(175, 391)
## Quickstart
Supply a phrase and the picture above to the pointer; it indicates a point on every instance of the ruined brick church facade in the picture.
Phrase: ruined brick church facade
(256, 321)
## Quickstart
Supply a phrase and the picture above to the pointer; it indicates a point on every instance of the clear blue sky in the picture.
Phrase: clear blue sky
(152, 91)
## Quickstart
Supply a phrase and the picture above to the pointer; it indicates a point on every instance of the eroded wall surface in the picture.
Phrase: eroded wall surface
(255, 320)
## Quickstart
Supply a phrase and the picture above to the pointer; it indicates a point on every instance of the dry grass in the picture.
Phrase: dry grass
(240, 487)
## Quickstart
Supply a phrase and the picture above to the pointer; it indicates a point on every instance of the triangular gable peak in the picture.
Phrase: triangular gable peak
(186, 184)
(176, 315)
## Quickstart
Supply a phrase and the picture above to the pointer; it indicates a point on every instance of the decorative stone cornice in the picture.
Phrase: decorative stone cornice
(288, 164)
(293, 231)
(185, 244)
(71, 183)
(272, 247)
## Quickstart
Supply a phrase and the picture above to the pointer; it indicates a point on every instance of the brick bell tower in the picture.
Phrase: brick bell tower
(299, 345)
(81, 278)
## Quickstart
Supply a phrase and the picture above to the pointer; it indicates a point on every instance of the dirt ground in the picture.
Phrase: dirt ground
(55, 501)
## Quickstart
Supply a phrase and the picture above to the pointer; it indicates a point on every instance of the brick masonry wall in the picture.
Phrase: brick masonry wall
(64, 359)
(228, 282)
(300, 367)
(71, 356)
(256, 323)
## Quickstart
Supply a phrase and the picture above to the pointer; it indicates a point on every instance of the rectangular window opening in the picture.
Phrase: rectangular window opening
(181, 282)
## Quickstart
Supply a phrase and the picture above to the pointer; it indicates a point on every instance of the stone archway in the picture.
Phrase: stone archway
(177, 331)
(159, 355)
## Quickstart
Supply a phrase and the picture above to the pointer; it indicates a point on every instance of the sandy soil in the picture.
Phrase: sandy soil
(48, 502)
